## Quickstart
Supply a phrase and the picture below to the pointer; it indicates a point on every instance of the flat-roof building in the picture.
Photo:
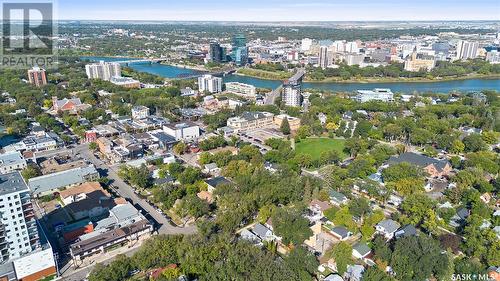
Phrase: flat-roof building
(384, 95)
(52, 182)
(11, 161)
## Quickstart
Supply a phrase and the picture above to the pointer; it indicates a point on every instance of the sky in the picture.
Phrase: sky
(278, 10)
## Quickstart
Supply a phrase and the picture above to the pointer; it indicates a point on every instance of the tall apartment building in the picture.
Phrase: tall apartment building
(241, 89)
(323, 57)
(467, 50)
(292, 90)
(493, 56)
(209, 83)
(37, 76)
(23, 254)
(103, 70)
(306, 44)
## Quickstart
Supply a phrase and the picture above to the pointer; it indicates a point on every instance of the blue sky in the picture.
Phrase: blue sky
(280, 10)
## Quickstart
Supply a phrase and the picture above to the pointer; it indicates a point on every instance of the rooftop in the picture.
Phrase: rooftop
(12, 182)
(60, 179)
(10, 158)
(217, 181)
(419, 160)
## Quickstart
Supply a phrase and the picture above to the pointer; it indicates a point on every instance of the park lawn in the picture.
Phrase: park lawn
(315, 146)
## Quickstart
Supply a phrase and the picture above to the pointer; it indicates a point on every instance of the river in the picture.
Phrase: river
(467, 85)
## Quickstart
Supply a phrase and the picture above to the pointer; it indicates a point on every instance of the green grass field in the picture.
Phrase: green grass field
(315, 146)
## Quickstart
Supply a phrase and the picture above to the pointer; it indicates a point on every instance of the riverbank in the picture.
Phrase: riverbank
(266, 75)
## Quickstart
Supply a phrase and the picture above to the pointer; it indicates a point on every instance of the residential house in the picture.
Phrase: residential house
(460, 217)
(354, 273)
(211, 169)
(249, 236)
(263, 232)
(337, 198)
(361, 250)
(433, 167)
(341, 233)
(213, 183)
(406, 231)
(387, 228)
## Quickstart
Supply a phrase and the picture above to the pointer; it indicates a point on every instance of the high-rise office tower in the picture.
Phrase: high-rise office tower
(215, 52)
(467, 50)
(240, 51)
(103, 70)
(323, 57)
(37, 76)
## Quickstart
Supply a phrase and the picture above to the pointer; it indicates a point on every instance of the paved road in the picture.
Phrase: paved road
(125, 191)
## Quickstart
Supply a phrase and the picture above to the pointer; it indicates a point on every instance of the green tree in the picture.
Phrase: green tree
(342, 253)
(285, 127)
(291, 226)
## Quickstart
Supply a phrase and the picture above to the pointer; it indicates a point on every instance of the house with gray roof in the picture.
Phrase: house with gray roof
(340, 233)
(433, 167)
(361, 250)
(387, 228)
(249, 236)
(264, 233)
(406, 231)
(213, 183)
(337, 198)
(47, 184)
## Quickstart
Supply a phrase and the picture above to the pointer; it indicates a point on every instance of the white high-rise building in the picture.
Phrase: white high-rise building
(323, 57)
(209, 83)
(306, 44)
(103, 70)
(351, 47)
(339, 46)
(18, 224)
(467, 50)
(493, 57)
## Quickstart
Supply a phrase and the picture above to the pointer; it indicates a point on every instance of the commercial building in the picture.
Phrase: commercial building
(11, 161)
(306, 44)
(241, 89)
(294, 122)
(250, 120)
(125, 82)
(292, 89)
(24, 255)
(209, 83)
(384, 95)
(103, 70)
(323, 57)
(217, 53)
(467, 50)
(239, 53)
(418, 61)
(123, 225)
(140, 112)
(182, 130)
(37, 76)
(52, 182)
